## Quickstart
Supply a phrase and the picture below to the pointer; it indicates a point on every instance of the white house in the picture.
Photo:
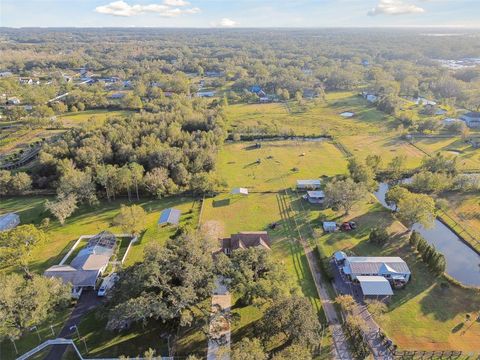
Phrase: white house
(392, 268)
(315, 197)
(308, 184)
(9, 221)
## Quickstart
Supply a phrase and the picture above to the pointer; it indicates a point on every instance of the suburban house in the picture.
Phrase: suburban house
(472, 119)
(315, 197)
(245, 240)
(90, 262)
(169, 216)
(308, 184)
(393, 269)
(9, 221)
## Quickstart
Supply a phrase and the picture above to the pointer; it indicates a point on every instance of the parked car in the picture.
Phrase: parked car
(107, 284)
(346, 226)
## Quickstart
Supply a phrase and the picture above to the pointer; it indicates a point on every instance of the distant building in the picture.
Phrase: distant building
(308, 184)
(4, 74)
(245, 240)
(423, 101)
(315, 197)
(9, 221)
(207, 94)
(13, 101)
(117, 96)
(329, 226)
(89, 264)
(472, 119)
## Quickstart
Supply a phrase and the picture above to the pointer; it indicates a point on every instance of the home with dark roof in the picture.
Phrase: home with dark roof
(245, 240)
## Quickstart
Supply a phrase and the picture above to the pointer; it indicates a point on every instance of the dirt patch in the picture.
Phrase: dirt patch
(213, 228)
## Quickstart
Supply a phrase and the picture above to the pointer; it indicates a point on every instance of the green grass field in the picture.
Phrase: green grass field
(319, 118)
(467, 156)
(281, 162)
(96, 116)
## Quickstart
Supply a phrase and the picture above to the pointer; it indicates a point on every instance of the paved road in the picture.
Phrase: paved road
(340, 344)
(344, 286)
(221, 305)
(87, 302)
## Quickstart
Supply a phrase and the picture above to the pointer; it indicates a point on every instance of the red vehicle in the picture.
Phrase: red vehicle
(346, 226)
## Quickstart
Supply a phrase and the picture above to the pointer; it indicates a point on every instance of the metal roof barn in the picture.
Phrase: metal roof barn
(169, 216)
(9, 221)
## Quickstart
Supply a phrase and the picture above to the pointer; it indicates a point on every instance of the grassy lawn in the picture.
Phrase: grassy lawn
(425, 315)
(467, 156)
(316, 118)
(96, 116)
(237, 163)
(387, 146)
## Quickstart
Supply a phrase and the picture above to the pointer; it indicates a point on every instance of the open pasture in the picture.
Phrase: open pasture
(280, 164)
(96, 117)
(315, 118)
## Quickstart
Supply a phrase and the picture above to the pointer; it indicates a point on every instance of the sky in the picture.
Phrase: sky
(239, 13)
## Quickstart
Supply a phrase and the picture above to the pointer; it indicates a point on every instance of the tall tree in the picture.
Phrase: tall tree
(63, 208)
(132, 219)
(28, 302)
(344, 194)
(416, 208)
(16, 246)
(137, 171)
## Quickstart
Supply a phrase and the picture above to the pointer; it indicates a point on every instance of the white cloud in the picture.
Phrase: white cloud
(176, 2)
(395, 7)
(167, 9)
(225, 22)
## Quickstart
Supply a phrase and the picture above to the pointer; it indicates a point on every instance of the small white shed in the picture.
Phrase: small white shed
(329, 226)
(239, 191)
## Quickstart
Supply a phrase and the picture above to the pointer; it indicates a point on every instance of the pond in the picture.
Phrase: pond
(463, 264)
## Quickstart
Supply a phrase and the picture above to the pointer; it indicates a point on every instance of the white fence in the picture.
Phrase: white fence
(61, 341)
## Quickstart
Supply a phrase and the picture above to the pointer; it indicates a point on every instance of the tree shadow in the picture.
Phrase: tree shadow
(220, 203)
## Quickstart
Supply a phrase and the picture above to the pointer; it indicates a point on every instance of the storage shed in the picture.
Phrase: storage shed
(329, 226)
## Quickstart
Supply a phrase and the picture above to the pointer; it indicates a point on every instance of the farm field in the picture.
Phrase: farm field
(281, 162)
(316, 118)
(96, 116)
(387, 146)
(467, 156)
(426, 303)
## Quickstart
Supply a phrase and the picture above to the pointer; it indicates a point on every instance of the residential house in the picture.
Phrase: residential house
(88, 265)
(392, 268)
(472, 119)
(245, 240)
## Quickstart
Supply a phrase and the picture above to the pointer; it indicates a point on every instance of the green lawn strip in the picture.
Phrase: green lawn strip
(98, 116)
(29, 340)
(131, 342)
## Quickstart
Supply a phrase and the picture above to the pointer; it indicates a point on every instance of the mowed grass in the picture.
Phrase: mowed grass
(97, 117)
(386, 146)
(316, 118)
(467, 156)
(281, 162)
(426, 315)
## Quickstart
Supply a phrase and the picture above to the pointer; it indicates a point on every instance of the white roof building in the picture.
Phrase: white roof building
(388, 267)
(308, 184)
(9, 221)
(375, 286)
(240, 191)
(329, 226)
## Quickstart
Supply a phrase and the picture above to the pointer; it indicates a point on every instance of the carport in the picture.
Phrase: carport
(375, 286)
